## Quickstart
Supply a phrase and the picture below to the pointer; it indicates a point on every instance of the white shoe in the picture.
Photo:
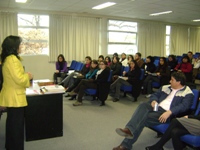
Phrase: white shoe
(147, 96)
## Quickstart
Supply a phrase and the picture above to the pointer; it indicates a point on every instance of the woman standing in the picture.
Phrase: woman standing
(13, 95)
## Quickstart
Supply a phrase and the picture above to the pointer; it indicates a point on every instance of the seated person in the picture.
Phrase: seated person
(139, 60)
(172, 62)
(101, 78)
(116, 68)
(108, 59)
(69, 80)
(100, 58)
(90, 76)
(196, 67)
(115, 55)
(123, 60)
(190, 56)
(61, 68)
(130, 57)
(185, 67)
(149, 65)
(161, 75)
(178, 127)
(132, 77)
(170, 105)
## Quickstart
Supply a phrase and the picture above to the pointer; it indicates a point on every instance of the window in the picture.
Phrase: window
(167, 42)
(122, 37)
(34, 30)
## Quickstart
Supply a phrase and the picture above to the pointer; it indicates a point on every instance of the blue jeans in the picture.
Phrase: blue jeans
(143, 116)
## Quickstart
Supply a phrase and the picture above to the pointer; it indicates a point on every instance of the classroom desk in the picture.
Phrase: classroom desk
(44, 116)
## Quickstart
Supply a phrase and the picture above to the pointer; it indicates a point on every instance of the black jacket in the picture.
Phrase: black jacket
(150, 67)
(116, 68)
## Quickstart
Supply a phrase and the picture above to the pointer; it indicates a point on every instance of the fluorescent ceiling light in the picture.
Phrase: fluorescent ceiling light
(196, 20)
(20, 1)
(104, 5)
(160, 13)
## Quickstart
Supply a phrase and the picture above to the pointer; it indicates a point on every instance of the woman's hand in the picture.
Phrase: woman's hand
(30, 75)
(57, 71)
(124, 72)
(158, 73)
(153, 103)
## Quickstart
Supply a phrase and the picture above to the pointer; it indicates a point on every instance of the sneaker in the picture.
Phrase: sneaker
(77, 103)
(148, 95)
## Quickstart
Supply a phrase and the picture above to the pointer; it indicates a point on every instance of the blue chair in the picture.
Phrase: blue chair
(156, 62)
(128, 88)
(73, 64)
(94, 91)
(161, 128)
(78, 66)
(192, 140)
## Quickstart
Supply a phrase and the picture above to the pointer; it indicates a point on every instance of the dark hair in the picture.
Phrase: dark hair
(130, 56)
(109, 60)
(95, 62)
(173, 57)
(115, 54)
(186, 56)
(136, 64)
(123, 54)
(117, 58)
(62, 56)
(88, 57)
(10, 46)
(101, 56)
(190, 52)
(104, 62)
(179, 76)
(139, 54)
(151, 58)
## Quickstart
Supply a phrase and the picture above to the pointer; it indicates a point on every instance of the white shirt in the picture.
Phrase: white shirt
(165, 104)
(124, 62)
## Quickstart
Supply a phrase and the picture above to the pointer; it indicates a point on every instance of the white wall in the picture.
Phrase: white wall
(39, 66)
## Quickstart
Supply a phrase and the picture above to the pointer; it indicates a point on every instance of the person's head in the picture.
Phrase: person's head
(115, 60)
(138, 56)
(171, 58)
(94, 64)
(61, 58)
(100, 58)
(130, 57)
(149, 59)
(185, 59)
(88, 60)
(107, 58)
(162, 61)
(123, 56)
(115, 55)
(178, 79)
(11, 46)
(103, 64)
(190, 54)
(133, 64)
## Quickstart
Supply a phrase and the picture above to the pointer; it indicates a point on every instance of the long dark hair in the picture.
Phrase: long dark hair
(136, 64)
(10, 46)
(62, 56)
(164, 66)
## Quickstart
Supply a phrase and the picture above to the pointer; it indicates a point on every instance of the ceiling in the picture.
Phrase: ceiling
(184, 11)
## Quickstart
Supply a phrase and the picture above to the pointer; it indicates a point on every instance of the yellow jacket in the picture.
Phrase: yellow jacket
(15, 81)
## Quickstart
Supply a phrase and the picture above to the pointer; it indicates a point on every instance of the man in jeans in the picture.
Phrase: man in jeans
(172, 100)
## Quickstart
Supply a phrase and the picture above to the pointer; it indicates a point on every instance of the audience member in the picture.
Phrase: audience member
(116, 68)
(90, 76)
(130, 58)
(149, 65)
(115, 55)
(196, 67)
(161, 76)
(123, 60)
(170, 104)
(177, 128)
(138, 59)
(100, 58)
(129, 78)
(61, 68)
(172, 62)
(13, 93)
(108, 59)
(190, 55)
(69, 80)
(100, 83)
(185, 67)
